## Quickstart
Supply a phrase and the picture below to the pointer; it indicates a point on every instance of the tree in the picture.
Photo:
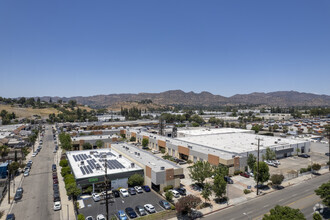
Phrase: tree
(133, 139)
(169, 195)
(65, 140)
(316, 167)
(297, 151)
(317, 216)
(200, 171)
(99, 143)
(277, 179)
(72, 190)
(284, 213)
(81, 217)
(324, 192)
(87, 146)
(219, 186)
(263, 172)
(186, 203)
(135, 180)
(145, 142)
(270, 154)
(207, 192)
(251, 161)
(64, 163)
(65, 171)
(13, 167)
(220, 170)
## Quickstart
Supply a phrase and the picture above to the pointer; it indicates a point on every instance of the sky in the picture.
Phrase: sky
(83, 48)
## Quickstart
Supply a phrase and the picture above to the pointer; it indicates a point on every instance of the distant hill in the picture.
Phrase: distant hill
(179, 97)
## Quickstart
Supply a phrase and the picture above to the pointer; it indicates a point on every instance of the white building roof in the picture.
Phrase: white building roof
(94, 137)
(90, 163)
(207, 131)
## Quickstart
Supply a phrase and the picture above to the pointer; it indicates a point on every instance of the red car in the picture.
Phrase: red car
(245, 174)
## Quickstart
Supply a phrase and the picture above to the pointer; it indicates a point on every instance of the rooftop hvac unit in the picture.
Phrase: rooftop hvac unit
(82, 162)
(162, 168)
(124, 147)
(275, 142)
(135, 153)
(279, 139)
(138, 154)
(132, 164)
(120, 156)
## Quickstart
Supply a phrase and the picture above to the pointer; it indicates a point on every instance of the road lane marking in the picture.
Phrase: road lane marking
(266, 206)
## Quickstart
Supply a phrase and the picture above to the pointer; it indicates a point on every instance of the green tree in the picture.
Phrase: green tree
(64, 163)
(169, 195)
(207, 192)
(263, 172)
(65, 171)
(324, 192)
(251, 161)
(297, 151)
(277, 179)
(87, 146)
(219, 186)
(145, 142)
(99, 143)
(317, 216)
(72, 190)
(65, 140)
(200, 171)
(81, 217)
(284, 213)
(133, 139)
(135, 180)
(13, 167)
(270, 154)
(220, 170)
(316, 167)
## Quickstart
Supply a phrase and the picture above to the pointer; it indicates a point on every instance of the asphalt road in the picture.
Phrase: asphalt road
(300, 196)
(37, 201)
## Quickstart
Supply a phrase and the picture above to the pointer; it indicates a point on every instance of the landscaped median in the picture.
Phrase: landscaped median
(160, 215)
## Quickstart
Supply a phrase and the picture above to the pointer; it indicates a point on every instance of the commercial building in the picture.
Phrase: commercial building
(229, 147)
(78, 142)
(159, 173)
(88, 167)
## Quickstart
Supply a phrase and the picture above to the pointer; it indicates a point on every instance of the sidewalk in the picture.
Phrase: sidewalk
(15, 183)
(233, 202)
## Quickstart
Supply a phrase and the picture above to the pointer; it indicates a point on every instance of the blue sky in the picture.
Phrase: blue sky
(72, 48)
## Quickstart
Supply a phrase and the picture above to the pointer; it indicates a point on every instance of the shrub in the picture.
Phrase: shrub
(81, 217)
(166, 188)
(64, 163)
(169, 196)
(189, 161)
(133, 139)
(135, 180)
(162, 150)
(316, 166)
(65, 171)
(246, 191)
(88, 190)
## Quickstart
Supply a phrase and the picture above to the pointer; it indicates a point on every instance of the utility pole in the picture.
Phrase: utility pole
(259, 139)
(9, 174)
(106, 185)
(327, 128)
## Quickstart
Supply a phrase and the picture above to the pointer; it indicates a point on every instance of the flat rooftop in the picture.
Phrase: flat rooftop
(207, 131)
(94, 137)
(91, 163)
(238, 142)
(145, 157)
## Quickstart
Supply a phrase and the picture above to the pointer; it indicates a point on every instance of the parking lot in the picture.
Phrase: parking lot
(93, 209)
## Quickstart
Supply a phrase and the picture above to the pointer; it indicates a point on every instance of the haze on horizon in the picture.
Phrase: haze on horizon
(85, 48)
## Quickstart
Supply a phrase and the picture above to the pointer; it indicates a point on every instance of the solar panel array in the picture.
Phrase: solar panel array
(114, 164)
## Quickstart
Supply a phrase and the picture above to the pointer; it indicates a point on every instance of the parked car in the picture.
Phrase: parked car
(100, 217)
(304, 155)
(175, 193)
(26, 173)
(54, 167)
(165, 204)
(89, 218)
(251, 174)
(140, 210)
(121, 215)
(57, 206)
(10, 217)
(123, 192)
(18, 195)
(19, 189)
(57, 197)
(245, 174)
(116, 193)
(55, 181)
(130, 212)
(150, 208)
(138, 189)
(34, 154)
(131, 191)
(181, 190)
(228, 180)
(146, 188)
(96, 197)
(327, 154)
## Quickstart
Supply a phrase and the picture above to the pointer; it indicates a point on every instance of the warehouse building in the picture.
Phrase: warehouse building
(78, 142)
(229, 147)
(88, 168)
(159, 173)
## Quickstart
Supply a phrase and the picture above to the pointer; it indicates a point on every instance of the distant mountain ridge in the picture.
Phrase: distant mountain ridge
(179, 97)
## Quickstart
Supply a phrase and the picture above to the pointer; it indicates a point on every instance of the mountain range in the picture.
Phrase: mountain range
(179, 97)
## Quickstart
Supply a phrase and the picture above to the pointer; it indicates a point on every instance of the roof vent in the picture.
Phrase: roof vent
(138, 154)
(82, 163)
(162, 168)
(120, 156)
(132, 165)
(135, 153)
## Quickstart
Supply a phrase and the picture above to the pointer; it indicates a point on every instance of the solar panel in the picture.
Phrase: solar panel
(82, 170)
(85, 156)
(87, 171)
(74, 157)
(90, 169)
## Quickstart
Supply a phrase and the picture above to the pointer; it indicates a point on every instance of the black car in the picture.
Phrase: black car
(57, 197)
(228, 180)
(165, 204)
(304, 155)
(55, 186)
(18, 195)
(54, 167)
(10, 217)
(131, 191)
(140, 210)
(130, 212)
(182, 191)
(116, 193)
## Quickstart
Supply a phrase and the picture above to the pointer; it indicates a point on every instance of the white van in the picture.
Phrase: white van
(175, 193)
